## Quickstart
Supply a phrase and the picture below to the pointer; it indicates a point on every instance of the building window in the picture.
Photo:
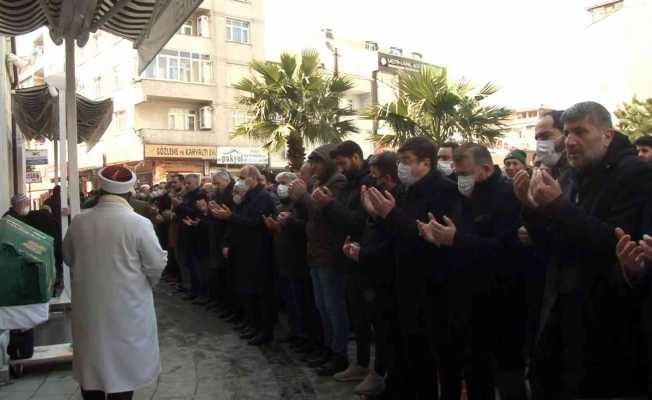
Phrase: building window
(120, 120)
(203, 26)
(237, 31)
(181, 66)
(238, 118)
(371, 46)
(182, 120)
(187, 28)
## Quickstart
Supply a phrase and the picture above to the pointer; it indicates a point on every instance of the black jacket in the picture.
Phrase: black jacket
(251, 243)
(420, 264)
(290, 243)
(188, 235)
(220, 228)
(488, 233)
(587, 306)
(346, 212)
(376, 258)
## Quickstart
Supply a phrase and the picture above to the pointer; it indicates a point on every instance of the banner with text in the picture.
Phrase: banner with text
(180, 151)
(242, 155)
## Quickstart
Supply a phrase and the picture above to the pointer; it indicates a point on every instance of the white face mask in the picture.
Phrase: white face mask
(405, 175)
(283, 191)
(241, 185)
(465, 185)
(445, 167)
(546, 153)
(237, 199)
(23, 211)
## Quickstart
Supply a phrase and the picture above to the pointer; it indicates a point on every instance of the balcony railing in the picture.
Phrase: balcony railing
(162, 89)
(179, 137)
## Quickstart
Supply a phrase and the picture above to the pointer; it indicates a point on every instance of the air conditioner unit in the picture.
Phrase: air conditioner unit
(206, 117)
(203, 26)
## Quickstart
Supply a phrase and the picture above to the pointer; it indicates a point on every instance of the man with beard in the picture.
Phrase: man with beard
(589, 340)
(324, 261)
(345, 212)
(375, 267)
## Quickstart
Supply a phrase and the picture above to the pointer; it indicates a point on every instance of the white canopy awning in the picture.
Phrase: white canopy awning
(149, 24)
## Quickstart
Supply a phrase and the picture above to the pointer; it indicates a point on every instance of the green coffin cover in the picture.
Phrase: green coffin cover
(27, 270)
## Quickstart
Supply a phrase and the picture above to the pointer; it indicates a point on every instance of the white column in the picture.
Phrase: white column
(71, 124)
(5, 133)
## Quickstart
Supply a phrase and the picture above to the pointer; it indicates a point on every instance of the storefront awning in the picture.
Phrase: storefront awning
(36, 113)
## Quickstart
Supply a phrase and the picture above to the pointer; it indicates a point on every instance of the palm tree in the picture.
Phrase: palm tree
(292, 103)
(427, 105)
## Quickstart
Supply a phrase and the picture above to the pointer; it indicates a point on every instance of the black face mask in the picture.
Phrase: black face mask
(378, 184)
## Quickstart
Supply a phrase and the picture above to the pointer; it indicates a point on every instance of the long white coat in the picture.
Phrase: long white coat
(116, 259)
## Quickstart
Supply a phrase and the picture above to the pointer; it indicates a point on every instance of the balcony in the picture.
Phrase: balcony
(170, 136)
(151, 89)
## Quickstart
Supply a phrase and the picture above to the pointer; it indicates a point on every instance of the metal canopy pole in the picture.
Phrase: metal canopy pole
(71, 127)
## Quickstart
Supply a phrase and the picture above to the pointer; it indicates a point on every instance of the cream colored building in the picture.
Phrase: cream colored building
(178, 115)
(373, 69)
(614, 55)
(519, 133)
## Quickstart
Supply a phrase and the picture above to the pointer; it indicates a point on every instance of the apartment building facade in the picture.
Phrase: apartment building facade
(178, 115)
(374, 71)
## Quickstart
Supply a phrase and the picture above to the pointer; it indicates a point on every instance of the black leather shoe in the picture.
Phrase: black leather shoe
(261, 340)
(305, 348)
(248, 335)
(334, 365)
(241, 327)
(318, 351)
(320, 360)
(289, 339)
(233, 319)
(225, 314)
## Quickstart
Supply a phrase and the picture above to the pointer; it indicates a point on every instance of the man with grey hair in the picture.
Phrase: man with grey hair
(19, 207)
(590, 334)
(250, 249)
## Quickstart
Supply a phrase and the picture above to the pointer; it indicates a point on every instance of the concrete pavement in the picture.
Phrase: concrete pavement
(202, 359)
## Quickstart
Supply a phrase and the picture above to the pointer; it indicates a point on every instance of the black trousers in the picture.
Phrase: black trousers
(447, 317)
(172, 268)
(259, 311)
(497, 347)
(98, 395)
(370, 308)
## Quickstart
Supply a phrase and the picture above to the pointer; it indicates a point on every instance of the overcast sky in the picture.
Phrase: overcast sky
(521, 45)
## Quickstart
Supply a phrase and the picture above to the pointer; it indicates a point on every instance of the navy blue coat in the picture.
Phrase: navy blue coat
(250, 242)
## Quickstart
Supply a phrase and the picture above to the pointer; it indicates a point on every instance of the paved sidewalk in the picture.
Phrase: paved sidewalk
(202, 360)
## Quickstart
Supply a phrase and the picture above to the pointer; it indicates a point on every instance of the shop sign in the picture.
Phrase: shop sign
(33, 177)
(36, 157)
(242, 155)
(397, 62)
(179, 151)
